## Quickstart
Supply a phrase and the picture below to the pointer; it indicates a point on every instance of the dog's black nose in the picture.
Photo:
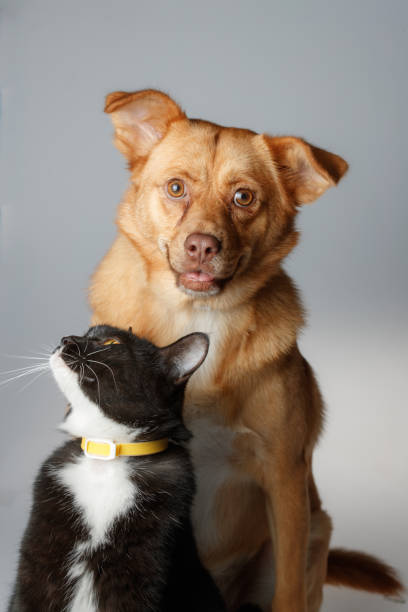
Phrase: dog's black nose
(201, 248)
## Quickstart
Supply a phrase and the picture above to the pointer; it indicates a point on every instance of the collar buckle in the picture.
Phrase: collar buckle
(99, 448)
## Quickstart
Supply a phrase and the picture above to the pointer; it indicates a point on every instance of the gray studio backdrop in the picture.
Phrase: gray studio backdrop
(331, 72)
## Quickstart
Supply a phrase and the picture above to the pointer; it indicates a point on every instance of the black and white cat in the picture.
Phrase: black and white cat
(115, 535)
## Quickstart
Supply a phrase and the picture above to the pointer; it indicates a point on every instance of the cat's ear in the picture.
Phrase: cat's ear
(184, 357)
(141, 119)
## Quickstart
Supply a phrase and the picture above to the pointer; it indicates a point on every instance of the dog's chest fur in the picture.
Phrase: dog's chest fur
(211, 451)
(213, 323)
(212, 445)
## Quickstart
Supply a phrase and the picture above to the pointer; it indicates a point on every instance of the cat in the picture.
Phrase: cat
(113, 533)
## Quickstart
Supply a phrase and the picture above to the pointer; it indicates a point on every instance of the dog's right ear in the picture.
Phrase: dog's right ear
(141, 119)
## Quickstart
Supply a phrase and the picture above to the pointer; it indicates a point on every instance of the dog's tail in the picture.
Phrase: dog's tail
(360, 571)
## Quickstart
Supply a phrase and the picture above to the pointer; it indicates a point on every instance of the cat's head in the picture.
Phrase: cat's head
(123, 387)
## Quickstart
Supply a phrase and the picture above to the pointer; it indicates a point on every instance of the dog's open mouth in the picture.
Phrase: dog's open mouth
(203, 283)
(200, 282)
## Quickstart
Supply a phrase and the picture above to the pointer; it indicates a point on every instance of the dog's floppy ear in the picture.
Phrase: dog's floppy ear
(141, 119)
(305, 170)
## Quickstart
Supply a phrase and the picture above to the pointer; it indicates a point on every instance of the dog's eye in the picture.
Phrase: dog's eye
(111, 341)
(176, 188)
(243, 197)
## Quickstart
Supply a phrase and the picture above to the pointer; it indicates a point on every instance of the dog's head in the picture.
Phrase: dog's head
(212, 208)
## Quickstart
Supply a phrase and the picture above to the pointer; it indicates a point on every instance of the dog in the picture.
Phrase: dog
(207, 220)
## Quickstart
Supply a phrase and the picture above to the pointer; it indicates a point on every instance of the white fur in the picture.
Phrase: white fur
(211, 444)
(86, 418)
(214, 324)
(210, 450)
(80, 583)
(199, 294)
(83, 599)
(102, 490)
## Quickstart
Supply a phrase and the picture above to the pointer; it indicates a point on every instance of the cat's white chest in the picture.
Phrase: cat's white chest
(83, 597)
(102, 491)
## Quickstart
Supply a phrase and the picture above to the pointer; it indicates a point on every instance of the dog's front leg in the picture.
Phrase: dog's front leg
(288, 515)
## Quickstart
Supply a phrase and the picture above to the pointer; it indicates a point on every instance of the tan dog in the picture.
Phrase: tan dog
(203, 229)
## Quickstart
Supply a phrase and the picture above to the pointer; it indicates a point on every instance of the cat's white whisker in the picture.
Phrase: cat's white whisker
(30, 382)
(33, 370)
(25, 368)
(97, 380)
(99, 351)
(26, 357)
(106, 365)
(73, 356)
(47, 348)
(44, 351)
(76, 344)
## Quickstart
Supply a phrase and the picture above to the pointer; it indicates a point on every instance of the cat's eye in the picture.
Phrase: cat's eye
(111, 341)
(243, 197)
(176, 189)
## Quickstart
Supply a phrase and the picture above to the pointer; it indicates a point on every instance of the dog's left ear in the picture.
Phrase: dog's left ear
(184, 357)
(141, 119)
(306, 171)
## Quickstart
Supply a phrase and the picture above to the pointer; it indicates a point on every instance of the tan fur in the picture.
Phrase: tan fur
(255, 384)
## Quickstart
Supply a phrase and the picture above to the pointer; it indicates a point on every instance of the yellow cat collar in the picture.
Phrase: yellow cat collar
(99, 448)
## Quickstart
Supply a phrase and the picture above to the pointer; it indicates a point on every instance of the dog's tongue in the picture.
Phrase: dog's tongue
(201, 277)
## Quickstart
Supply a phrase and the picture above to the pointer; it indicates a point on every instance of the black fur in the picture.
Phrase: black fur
(149, 562)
